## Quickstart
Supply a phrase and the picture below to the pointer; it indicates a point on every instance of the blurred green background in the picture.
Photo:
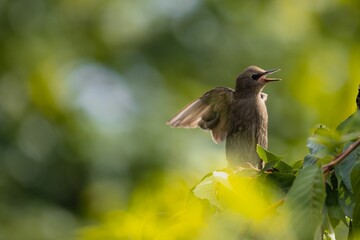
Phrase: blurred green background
(86, 87)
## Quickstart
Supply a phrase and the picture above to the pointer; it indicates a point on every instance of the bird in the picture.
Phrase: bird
(238, 116)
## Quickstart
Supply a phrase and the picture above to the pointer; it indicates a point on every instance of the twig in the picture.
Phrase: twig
(327, 167)
(276, 205)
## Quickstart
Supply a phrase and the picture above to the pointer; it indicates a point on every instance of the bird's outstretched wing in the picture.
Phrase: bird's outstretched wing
(209, 112)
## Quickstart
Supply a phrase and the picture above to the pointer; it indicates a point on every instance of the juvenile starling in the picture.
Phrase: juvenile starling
(238, 115)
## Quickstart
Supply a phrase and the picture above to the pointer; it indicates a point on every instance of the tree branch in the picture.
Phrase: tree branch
(328, 167)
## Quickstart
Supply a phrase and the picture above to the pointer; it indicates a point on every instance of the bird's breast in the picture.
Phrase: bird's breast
(247, 113)
(248, 127)
(248, 116)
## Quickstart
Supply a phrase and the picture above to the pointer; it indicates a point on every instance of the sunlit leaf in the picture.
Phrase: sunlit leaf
(272, 161)
(322, 135)
(266, 156)
(328, 230)
(351, 124)
(351, 136)
(206, 189)
(324, 142)
(298, 164)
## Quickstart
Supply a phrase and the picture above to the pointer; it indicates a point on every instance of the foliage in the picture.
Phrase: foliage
(301, 201)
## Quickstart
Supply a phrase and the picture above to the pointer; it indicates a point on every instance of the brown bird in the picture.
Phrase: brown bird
(239, 116)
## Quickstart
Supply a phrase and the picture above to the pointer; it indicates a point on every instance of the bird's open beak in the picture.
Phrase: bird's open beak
(268, 72)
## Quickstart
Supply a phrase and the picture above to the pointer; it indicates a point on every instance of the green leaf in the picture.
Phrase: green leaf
(266, 156)
(353, 136)
(317, 143)
(333, 208)
(344, 168)
(269, 165)
(324, 142)
(328, 230)
(298, 164)
(206, 190)
(351, 124)
(272, 161)
(346, 200)
(310, 160)
(355, 181)
(282, 180)
(305, 201)
(283, 167)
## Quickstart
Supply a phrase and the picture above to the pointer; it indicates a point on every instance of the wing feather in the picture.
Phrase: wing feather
(209, 112)
(189, 116)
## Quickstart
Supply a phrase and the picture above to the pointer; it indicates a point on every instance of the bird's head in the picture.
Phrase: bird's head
(253, 80)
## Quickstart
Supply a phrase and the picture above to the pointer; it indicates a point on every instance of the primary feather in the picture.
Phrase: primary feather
(209, 112)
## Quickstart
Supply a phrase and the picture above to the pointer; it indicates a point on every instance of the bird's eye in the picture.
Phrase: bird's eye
(255, 76)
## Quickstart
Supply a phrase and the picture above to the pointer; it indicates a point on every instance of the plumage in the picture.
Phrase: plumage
(239, 116)
(209, 112)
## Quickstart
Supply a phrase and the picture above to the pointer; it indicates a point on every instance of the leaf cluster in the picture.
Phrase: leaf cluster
(317, 197)
(308, 198)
